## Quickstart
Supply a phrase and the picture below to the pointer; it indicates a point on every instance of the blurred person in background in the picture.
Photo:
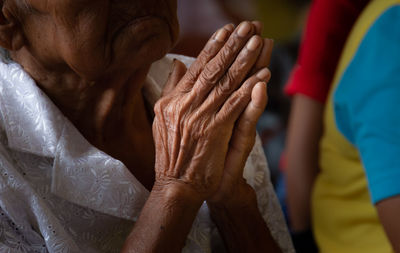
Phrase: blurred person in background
(353, 165)
(328, 26)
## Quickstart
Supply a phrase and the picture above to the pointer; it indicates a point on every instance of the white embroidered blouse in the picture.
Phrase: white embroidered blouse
(58, 193)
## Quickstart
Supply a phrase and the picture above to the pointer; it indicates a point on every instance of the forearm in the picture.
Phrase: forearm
(304, 132)
(164, 222)
(242, 227)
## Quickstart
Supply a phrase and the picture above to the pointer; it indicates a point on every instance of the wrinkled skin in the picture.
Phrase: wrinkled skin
(196, 119)
(91, 58)
(96, 38)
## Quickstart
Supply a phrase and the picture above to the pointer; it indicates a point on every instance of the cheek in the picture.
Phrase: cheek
(83, 43)
(58, 41)
(42, 43)
(141, 43)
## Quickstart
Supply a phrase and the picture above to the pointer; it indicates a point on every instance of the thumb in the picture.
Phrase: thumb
(247, 122)
(178, 70)
(243, 137)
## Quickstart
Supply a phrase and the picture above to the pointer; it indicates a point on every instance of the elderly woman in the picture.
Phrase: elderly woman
(80, 77)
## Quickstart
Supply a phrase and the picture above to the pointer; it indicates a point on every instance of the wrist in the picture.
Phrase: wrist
(165, 219)
(243, 198)
(242, 226)
(176, 192)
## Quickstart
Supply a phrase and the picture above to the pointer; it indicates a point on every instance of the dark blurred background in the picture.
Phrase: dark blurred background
(283, 21)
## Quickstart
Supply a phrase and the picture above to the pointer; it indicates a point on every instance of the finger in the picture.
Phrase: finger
(235, 75)
(258, 26)
(267, 52)
(243, 137)
(248, 120)
(209, 51)
(238, 101)
(217, 67)
(265, 56)
(178, 71)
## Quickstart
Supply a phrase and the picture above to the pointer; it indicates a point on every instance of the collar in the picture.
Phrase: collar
(32, 123)
(81, 173)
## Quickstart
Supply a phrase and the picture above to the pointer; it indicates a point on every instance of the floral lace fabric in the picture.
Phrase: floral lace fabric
(58, 193)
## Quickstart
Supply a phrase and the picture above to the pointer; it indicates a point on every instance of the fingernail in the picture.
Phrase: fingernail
(230, 27)
(263, 74)
(261, 85)
(221, 35)
(253, 44)
(244, 29)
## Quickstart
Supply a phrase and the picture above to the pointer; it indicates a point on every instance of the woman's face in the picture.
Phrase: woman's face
(99, 37)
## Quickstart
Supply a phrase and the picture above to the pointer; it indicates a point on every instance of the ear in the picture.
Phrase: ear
(11, 33)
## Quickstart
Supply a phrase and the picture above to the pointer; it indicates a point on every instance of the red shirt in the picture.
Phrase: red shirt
(328, 26)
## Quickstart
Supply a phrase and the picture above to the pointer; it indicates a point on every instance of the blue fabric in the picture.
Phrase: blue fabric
(367, 104)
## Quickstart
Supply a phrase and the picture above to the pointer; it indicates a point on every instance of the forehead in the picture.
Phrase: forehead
(74, 6)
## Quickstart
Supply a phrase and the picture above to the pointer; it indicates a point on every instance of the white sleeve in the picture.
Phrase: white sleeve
(257, 174)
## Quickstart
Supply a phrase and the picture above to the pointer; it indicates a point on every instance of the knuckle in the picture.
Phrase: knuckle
(204, 58)
(226, 86)
(242, 94)
(234, 101)
(231, 46)
(215, 66)
(243, 60)
(191, 76)
(209, 51)
(211, 73)
(224, 115)
(221, 91)
(225, 55)
(232, 77)
(248, 83)
(231, 106)
(238, 100)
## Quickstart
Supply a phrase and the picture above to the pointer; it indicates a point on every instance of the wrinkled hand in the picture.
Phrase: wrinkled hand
(196, 117)
(234, 192)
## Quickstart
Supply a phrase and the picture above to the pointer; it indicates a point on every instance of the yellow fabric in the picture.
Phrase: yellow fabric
(344, 219)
